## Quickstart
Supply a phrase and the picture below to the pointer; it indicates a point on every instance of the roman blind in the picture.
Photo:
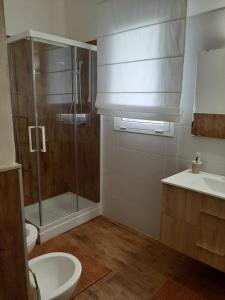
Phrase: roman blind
(140, 58)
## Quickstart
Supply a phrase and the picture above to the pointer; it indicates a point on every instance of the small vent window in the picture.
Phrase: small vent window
(144, 126)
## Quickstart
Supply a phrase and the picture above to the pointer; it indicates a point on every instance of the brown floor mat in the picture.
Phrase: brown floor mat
(92, 270)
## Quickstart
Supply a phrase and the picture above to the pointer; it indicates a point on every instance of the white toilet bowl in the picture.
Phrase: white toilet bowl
(57, 275)
(31, 235)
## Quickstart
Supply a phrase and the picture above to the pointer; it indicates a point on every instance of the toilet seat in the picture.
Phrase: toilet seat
(31, 235)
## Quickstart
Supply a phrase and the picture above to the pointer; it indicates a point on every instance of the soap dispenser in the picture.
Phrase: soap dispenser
(196, 164)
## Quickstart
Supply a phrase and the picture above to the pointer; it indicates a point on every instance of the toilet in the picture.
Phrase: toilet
(31, 236)
(57, 275)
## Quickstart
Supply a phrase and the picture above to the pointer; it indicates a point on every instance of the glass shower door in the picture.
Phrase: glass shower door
(54, 85)
(24, 118)
(57, 130)
(88, 129)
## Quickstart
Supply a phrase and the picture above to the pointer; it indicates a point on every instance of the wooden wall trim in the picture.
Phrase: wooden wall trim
(13, 275)
(5, 168)
(209, 125)
(13, 272)
(93, 42)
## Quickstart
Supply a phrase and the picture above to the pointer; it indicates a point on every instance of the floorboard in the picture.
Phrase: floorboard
(140, 265)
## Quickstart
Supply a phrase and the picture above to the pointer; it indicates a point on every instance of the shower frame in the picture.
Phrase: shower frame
(67, 222)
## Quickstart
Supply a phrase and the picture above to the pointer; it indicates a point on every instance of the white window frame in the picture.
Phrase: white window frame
(144, 126)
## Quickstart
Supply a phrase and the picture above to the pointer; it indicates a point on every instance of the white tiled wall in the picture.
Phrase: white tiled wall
(134, 164)
(199, 6)
(42, 15)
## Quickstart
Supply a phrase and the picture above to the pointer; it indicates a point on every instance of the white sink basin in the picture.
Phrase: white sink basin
(215, 185)
(205, 183)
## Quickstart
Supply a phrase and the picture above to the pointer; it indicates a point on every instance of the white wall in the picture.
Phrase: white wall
(75, 19)
(20, 15)
(199, 6)
(47, 16)
(77, 22)
(81, 19)
(134, 164)
(7, 148)
(41, 15)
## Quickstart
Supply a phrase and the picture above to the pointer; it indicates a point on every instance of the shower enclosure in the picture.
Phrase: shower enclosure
(57, 131)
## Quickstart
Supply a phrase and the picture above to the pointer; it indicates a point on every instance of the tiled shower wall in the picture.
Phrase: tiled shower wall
(134, 164)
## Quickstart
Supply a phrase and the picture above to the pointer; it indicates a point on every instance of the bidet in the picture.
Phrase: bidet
(57, 275)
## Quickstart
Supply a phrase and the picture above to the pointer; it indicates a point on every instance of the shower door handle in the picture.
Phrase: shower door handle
(80, 87)
(30, 138)
(90, 79)
(43, 138)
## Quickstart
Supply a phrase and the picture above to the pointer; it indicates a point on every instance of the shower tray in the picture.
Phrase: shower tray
(61, 213)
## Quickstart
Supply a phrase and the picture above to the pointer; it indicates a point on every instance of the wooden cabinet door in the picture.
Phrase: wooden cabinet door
(211, 232)
(179, 219)
(181, 204)
(194, 224)
(179, 235)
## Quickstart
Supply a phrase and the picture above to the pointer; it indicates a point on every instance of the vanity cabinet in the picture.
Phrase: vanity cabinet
(194, 224)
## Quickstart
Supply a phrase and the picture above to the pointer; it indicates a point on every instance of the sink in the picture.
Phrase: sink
(215, 184)
(205, 183)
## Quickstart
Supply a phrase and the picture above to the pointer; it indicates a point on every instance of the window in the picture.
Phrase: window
(144, 126)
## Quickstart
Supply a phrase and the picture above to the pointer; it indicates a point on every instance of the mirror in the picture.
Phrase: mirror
(209, 106)
(210, 83)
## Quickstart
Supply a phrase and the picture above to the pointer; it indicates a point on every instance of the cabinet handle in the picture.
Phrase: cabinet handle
(222, 254)
(212, 215)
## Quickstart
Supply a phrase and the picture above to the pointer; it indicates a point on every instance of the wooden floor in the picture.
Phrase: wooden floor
(140, 266)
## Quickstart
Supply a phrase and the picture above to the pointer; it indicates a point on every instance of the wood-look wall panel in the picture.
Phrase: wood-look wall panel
(69, 148)
(209, 125)
(57, 164)
(89, 159)
(23, 114)
(93, 42)
(13, 283)
(89, 134)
